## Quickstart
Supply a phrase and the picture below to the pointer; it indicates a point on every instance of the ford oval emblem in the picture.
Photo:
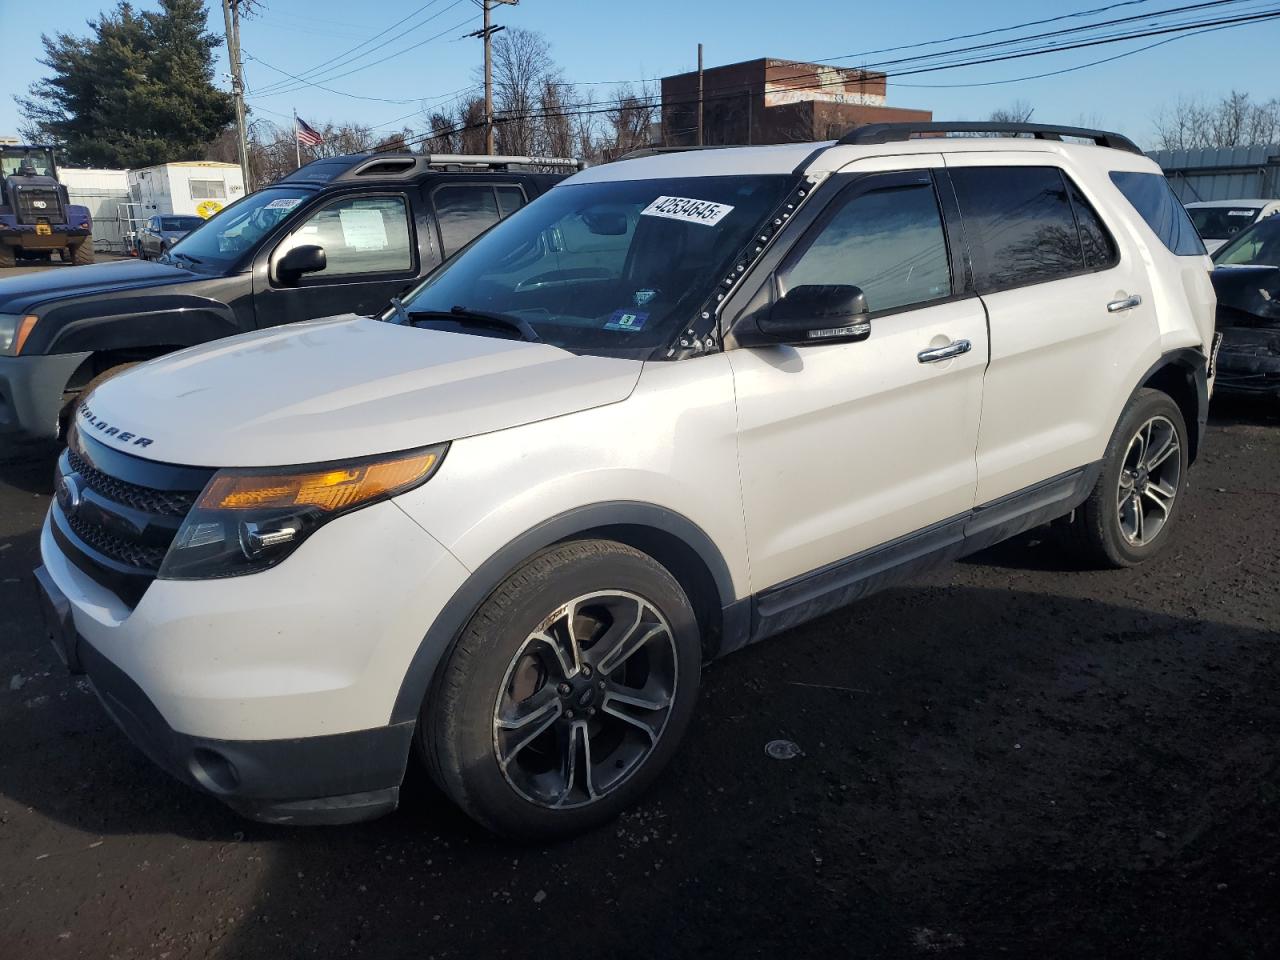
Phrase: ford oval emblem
(68, 494)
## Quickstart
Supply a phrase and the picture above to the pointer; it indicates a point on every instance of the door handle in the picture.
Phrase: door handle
(952, 349)
(1128, 303)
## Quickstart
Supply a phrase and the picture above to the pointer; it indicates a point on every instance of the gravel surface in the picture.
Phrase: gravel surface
(1007, 757)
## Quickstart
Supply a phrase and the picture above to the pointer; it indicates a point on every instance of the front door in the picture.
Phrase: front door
(372, 255)
(844, 447)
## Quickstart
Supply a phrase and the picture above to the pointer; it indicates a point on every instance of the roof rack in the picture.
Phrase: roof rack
(481, 160)
(895, 132)
(659, 151)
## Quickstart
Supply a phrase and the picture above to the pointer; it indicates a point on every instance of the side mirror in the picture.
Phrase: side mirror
(305, 259)
(816, 313)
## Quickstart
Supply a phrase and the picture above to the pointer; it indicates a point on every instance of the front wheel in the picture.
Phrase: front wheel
(1131, 510)
(567, 693)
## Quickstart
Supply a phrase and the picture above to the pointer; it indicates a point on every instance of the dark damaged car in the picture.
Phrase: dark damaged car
(1246, 278)
(340, 235)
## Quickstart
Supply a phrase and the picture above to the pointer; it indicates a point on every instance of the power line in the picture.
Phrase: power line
(327, 77)
(1196, 26)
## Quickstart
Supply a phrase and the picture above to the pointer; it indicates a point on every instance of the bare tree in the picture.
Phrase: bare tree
(1017, 112)
(629, 120)
(522, 70)
(1234, 121)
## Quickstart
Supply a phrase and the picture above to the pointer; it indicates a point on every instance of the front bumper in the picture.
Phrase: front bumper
(31, 390)
(1249, 361)
(24, 236)
(274, 691)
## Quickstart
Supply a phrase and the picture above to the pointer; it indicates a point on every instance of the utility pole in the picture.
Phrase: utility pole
(486, 33)
(231, 15)
(699, 94)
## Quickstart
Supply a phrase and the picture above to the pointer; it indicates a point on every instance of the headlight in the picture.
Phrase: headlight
(14, 330)
(247, 520)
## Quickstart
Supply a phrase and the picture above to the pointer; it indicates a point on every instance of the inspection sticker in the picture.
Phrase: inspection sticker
(690, 211)
(626, 320)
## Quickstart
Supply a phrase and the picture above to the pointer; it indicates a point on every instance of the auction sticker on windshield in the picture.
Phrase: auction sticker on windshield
(283, 203)
(625, 320)
(704, 212)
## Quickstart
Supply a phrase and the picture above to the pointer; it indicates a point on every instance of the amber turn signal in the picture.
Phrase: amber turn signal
(330, 488)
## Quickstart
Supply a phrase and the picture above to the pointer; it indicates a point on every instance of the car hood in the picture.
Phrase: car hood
(341, 387)
(21, 293)
(1248, 295)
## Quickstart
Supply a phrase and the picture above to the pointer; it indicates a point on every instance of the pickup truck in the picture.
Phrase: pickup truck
(339, 235)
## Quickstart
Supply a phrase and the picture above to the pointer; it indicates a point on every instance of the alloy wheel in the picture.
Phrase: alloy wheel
(1149, 481)
(585, 699)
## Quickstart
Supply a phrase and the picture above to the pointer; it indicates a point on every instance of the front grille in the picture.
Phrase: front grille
(29, 209)
(116, 515)
(171, 503)
(117, 548)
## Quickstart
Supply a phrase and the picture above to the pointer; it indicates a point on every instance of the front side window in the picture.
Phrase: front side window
(614, 268)
(360, 235)
(888, 242)
(235, 230)
(1155, 201)
(1021, 225)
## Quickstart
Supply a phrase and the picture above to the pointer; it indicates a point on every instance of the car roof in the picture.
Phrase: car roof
(829, 155)
(381, 167)
(1254, 202)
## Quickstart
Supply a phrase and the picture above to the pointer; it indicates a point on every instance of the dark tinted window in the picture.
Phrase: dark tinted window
(465, 211)
(1099, 249)
(1153, 198)
(510, 199)
(889, 242)
(1020, 224)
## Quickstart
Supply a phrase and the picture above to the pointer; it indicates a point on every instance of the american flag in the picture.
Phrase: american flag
(306, 135)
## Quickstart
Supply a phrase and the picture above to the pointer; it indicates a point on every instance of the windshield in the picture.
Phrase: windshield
(180, 223)
(236, 229)
(1260, 245)
(13, 159)
(1221, 223)
(614, 268)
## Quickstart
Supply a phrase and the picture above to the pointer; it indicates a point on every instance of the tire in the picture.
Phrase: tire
(1102, 531)
(512, 684)
(69, 410)
(82, 253)
(8, 256)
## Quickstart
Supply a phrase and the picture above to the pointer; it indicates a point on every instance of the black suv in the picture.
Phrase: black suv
(339, 235)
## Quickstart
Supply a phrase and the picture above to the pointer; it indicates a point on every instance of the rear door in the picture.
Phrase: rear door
(370, 240)
(1070, 314)
(844, 447)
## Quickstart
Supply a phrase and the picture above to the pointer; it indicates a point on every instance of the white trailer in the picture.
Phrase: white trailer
(103, 192)
(199, 187)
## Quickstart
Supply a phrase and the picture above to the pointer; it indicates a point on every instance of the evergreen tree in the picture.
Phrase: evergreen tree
(138, 91)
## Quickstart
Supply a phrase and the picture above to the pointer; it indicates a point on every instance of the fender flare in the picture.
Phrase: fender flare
(184, 323)
(455, 615)
(1193, 366)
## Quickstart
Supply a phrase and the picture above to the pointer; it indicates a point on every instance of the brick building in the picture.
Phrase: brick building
(775, 101)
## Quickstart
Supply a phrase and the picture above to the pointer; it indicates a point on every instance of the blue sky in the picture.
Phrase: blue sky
(595, 41)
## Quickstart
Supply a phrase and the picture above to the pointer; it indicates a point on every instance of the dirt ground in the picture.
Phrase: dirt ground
(32, 266)
(1008, 757)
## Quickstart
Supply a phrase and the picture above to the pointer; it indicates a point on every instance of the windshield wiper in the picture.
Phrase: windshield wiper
(482, 318)
(185, 256)
(398, 305)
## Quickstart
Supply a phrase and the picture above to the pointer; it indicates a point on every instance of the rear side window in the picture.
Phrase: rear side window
(1028, 225)
(467, 210)
(1153, 198)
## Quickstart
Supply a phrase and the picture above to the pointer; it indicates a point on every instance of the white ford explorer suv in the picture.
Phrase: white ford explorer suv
(675, 405)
